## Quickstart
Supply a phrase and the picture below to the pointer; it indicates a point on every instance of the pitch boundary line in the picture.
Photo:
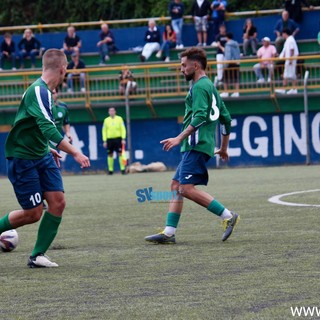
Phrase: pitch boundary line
(276, 199)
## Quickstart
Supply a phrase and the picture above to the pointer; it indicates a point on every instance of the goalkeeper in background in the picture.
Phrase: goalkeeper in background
(113, 136)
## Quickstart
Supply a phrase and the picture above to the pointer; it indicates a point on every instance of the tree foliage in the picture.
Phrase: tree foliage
(24, 12)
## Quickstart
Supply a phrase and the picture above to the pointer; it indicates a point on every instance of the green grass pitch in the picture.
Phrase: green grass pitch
(108, 271)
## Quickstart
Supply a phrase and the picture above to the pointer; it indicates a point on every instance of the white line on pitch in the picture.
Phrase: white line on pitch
(276, 199)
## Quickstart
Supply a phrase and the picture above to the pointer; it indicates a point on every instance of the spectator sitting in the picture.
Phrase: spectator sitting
(295, 9)
(77, 64)
(249, 37)
(176, 11)
(221, 40)
(200, 11)
(284, 23)
(127, 80)
(290, 49)
(106, 43)
(28, 46)
(168, 42)
(218, 8)
(265, 52)
(72, 42)
(8, 51)
(231, 70)
(152, 39)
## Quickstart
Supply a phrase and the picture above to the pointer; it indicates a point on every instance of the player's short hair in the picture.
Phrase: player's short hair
(287, 31)
(196, 54)
(53, 59)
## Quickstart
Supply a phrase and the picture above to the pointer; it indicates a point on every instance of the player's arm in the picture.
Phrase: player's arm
(78, 156)
(66, 130)
(104, 133)
(168, 144)
(225, 128)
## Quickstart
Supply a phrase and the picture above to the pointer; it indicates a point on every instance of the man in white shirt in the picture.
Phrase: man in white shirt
(267, 51)
(289, 50)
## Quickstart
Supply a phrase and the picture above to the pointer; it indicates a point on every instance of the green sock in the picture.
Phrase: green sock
(110, 164)
(5, 223)
(122, 166)
(216, 207)
(172, 219)
(47, 232)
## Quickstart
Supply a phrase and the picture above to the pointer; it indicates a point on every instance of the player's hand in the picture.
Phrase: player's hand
(82, 160)
(223, 154)
(168, 144)
(105, 145)
(70, 139)
(56, 156)
(123, 141)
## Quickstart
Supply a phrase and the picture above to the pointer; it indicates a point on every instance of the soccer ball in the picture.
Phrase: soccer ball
(9, 240)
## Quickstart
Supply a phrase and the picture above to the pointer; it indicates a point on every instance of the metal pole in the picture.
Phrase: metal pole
(128, 121)
(306, 113)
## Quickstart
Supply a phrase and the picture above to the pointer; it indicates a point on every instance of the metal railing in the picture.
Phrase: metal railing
(41, 27)
(156, 82)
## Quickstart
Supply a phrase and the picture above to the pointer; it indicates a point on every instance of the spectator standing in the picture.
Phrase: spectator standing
(294, 7)
(176, 11)
(267, 51)
(218, 8)
(29, 46)
(60, 113)
(152, 39)
(126, 79)
(284, 23)
(76, 64)
(106, 43)
(8, 51)
(200, 11)
(114, 136)
(249, 37)
(290, 49)
(231, 70)
(221, 41)
(72, 42)
(168, 42)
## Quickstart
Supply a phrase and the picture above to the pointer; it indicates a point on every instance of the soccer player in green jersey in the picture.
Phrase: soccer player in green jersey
(203, 110)
(60, 113)
(33, 167)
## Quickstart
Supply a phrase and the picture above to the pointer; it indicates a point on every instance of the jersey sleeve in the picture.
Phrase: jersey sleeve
(200, 107)
(224, 119)
(39, 107)
(123, 129)
(104, 130)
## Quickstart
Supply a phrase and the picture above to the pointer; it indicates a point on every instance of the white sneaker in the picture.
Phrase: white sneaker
(281, 91)
(83, 89)
(292, 91)
(14, 69)
(102, 64)
(106, 58)
(199, 44)
(181, 46)
(69, 90)
(214, 44)
(269, 80)
(235, 95)
(261, 80)
(41, 261)
(167, 59)
(158, 55)
(224, 94)
(204, 44)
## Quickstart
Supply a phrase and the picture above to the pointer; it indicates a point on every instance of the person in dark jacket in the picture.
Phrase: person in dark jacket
(29, 46)
(8, 51)
(176, 11)
(201, 10)
(152, 39)
(295, 9)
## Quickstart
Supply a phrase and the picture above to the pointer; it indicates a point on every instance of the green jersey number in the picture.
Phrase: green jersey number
(214, 112)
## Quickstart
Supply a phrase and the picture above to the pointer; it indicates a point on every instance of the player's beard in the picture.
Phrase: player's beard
(189, 76)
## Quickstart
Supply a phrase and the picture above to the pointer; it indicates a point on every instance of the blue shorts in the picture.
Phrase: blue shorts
(31, 178)
(192, 169)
